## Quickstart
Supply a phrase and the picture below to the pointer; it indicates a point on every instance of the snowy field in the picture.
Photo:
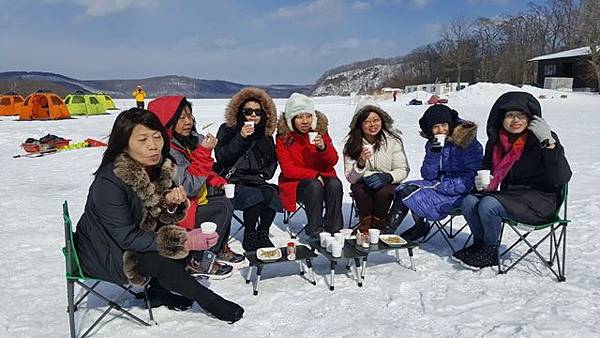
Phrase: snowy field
(440, 299)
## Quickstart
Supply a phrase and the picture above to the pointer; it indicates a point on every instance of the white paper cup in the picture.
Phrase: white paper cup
(346, 232)
(336, 249)
(484, 176)
(311, 136)
(249, 124)
(208, 227)
(339, 237)
(374, 236)
(441, 138)
(229, 190)
(329, 242)
(323, 238)
(368, 147)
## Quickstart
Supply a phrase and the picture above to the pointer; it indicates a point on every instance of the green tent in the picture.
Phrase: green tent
(106, 101)
(83, 103)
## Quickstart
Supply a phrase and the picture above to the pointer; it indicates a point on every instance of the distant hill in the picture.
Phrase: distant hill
(27, 82)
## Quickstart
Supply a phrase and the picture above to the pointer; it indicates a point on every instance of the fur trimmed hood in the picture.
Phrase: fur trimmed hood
(462, 135)
(322, 124)
(252, 93)
(371, 105)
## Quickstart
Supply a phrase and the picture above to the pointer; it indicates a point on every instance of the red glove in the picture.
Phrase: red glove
(199, 241)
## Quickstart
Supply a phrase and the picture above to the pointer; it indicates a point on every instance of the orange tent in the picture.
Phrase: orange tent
(44, 106)
(11, 104)
(434, 99)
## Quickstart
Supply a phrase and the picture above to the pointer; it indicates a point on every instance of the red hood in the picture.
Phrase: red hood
(165, 107)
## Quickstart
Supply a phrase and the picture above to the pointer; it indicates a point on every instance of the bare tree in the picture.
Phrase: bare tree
(457, 45)
(589, 31)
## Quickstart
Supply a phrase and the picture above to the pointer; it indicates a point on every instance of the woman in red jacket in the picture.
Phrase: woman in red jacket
(307, 173)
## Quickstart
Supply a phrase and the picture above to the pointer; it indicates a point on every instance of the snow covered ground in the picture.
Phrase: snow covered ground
(440, 299)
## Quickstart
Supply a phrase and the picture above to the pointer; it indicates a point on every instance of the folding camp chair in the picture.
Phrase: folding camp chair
(287, 216)
(446, 228)
(556, 237)
(74, 275)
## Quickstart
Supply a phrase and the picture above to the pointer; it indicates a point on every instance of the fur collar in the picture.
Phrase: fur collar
(150, 193)
(322, 124)
(462, 135)
(259, 95)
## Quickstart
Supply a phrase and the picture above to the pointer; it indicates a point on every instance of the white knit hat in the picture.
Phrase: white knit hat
(297, 104)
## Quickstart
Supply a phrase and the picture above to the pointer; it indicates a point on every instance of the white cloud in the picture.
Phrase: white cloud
(420, 3)
(312, 13)
(106, 7)
(361, 6)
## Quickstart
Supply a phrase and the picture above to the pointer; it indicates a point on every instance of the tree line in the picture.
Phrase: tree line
(497, 49)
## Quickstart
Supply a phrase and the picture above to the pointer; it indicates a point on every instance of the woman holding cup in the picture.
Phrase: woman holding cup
(452, 157)
(528, 167)
(192, 152)
(374, 163)
(246, 154)
(307, 166)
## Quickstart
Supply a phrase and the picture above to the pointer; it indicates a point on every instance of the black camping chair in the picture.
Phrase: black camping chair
(447, 229)
(555, 235)
(74, 275)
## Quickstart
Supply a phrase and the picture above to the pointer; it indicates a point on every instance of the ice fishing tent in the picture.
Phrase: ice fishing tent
(106, 101)
(434, 99)
(44, 105)
(84, 103)
(11, 104)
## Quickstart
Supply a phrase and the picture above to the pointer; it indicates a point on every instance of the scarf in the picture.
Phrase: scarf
(504, 156)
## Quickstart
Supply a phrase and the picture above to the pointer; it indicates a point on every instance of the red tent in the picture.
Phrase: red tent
(434, 99)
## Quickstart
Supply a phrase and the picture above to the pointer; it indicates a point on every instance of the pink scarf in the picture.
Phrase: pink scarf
(504, 156)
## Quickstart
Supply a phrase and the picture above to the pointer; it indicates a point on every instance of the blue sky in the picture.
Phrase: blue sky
(252, 42)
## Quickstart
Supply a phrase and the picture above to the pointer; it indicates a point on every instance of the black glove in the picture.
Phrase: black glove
(225, 310)
(436, 146)
(377, 181)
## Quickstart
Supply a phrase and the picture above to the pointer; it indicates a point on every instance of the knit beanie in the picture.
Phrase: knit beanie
(435, 114)
(296, 105)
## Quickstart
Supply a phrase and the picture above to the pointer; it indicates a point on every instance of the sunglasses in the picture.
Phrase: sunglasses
(250, 111)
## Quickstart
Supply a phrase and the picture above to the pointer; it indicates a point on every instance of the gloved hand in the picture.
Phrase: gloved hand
(199, 241)
(540, 128)
(479, 186)
(436, 146)
(377, 181)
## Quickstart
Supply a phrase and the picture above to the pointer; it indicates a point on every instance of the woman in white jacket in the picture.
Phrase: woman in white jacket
(374, 163)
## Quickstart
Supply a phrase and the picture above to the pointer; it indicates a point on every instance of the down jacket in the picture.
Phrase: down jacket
(124, 216)
(448, 175)
(299, 159)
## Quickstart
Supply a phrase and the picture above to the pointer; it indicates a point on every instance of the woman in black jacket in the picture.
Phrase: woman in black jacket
(245, 155)
(528, 168)
(127, 232)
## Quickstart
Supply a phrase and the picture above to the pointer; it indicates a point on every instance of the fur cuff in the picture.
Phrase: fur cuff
(170, 242)
(174, 218)
(130, 262)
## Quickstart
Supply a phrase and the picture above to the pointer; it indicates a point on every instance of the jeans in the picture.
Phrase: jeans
(484, 216)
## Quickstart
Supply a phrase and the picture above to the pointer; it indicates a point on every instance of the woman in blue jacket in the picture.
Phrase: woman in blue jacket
(448, 171)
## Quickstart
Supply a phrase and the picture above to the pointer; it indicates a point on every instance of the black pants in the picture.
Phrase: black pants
(312, 194)
(171, 275)
(140, 104)
(371, 202)
(219, 210)
(260, 211)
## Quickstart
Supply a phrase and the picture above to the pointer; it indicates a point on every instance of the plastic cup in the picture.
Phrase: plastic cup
(441, 138)
(346, 232)
(311, 136)
(323, 238)
(484, 176)
(249, 124)
(339, 237)
(229, 190)
(368, 147)
(208, 227)
(374, 236)
(329, 242)
(336, 249)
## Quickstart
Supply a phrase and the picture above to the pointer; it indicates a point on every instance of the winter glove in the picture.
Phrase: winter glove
(540, 128)
(224, 310)
(199, 241)
(436, 146)
(377, 181)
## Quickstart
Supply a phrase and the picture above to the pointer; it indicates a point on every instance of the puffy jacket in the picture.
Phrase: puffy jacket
(139, 95)
(448, 175)
(301, 160)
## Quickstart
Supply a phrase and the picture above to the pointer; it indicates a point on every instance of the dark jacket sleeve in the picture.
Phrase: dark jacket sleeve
(231, 146)
(558, 170)
(461, 180)
(430, 169)
(487, 156)
(269, 171)
(113, 211)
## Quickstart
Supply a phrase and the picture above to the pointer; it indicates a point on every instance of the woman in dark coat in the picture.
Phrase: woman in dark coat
(528, 168)
(245, 155)
(127, 232)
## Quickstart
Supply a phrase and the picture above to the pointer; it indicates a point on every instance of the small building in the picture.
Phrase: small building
(566, 70)
(436, 88)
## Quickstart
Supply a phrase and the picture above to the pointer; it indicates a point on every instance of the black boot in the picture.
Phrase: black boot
(249, 243)
(263, 240)
(395, 216)
(420, 229)
(159, 296)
